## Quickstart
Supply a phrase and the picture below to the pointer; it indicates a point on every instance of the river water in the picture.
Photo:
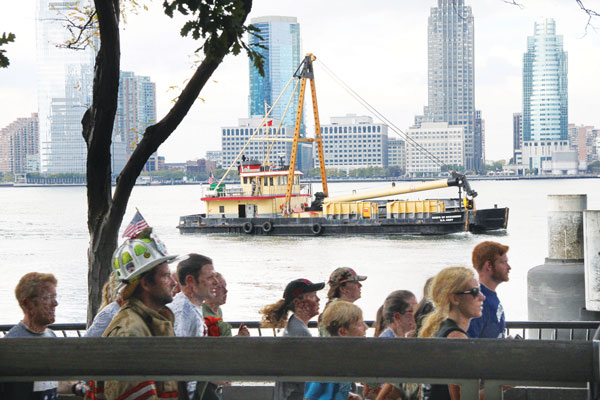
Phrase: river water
(44, 229)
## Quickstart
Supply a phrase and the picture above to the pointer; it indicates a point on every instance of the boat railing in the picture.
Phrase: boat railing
(533, 330)
(527, 363)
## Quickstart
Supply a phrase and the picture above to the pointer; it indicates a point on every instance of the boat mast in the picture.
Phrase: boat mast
(304, 72)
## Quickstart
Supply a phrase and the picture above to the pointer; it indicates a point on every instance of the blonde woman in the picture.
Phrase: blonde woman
(341, 318)
(457, 298)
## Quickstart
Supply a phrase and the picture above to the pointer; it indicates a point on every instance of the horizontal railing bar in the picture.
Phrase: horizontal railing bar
(297, 359)
(313, 324)
(552, 324)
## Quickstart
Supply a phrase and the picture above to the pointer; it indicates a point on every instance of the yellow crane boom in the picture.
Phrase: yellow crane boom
(456, 180)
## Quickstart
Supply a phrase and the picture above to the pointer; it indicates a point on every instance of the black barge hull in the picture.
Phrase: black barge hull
(478, 221)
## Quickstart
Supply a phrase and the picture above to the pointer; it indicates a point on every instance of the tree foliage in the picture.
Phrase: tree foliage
(221, 25)
(5, 39)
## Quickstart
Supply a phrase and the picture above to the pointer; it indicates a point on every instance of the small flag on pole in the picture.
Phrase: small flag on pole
(137, 224)
(211, 178)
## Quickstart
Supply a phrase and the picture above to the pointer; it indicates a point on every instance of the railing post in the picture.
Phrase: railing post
(594, 385)
(469, 390)
(493, 390)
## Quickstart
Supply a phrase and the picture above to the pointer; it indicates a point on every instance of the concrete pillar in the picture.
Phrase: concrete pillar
(591, 229)
(565, 226)
(556, 289)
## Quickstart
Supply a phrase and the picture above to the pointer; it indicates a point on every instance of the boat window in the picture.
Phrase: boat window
(222, 209)
(271, 181)
(245, 180)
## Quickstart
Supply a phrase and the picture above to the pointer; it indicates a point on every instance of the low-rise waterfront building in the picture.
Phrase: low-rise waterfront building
(234, 138)
(537, 154)
(352, 142)
(396, 153)
(430, 145)
(215, 156)
(19, 146)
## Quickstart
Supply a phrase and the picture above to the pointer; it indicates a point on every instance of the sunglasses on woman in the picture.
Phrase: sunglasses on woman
(473, 292)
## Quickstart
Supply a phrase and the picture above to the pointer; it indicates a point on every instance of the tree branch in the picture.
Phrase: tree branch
(156, 134)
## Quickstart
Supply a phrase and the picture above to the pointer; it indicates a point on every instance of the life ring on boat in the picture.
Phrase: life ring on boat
(267, 227)
(248, 227)
(316, 228)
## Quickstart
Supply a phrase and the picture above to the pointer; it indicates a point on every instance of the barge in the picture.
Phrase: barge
(271, 200)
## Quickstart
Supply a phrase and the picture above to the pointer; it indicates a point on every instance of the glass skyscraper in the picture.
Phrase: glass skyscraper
(65, 80)
(545, 97)
(281, 37)
(451, 75)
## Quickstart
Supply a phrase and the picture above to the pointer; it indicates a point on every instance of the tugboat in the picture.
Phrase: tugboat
(271, 200)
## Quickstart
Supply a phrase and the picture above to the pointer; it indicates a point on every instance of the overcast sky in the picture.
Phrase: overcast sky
(379, 48)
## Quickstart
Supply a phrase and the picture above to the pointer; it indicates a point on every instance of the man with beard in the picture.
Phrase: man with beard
(36, 294)
(141, 266)
(491, 262)
(198, 282)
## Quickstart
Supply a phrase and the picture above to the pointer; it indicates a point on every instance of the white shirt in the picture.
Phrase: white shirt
(189, 321)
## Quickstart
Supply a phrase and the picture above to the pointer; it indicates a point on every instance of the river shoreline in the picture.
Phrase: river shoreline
(331, 180)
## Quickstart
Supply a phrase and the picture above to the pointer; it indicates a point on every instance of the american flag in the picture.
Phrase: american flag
(137, 224)
(211, 177)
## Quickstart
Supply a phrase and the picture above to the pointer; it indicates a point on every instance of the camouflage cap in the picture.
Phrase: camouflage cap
(344, 274)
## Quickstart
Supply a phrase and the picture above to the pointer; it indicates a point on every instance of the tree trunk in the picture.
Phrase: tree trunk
(106, 211)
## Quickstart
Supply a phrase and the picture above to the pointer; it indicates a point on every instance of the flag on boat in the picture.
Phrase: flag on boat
(211, 178)
(269, 123)
(137, 224)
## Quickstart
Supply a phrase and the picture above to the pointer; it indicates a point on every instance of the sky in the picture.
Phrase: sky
(378, 48)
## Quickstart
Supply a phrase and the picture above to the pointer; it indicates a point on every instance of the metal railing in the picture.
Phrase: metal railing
(533, 363)
(564, 330)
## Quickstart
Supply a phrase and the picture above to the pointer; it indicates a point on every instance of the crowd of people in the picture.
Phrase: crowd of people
(143, 297)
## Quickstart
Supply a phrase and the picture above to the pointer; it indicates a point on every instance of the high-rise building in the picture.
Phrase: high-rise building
(517, 131)
(479, 139)
(19, 146)
(65, 80)
(136, 110)
(353, 141)
(281, 38)
(451, 74)
(545, 97)
(582, 139)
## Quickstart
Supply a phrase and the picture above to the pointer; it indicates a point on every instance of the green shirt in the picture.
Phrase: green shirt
(224, 327)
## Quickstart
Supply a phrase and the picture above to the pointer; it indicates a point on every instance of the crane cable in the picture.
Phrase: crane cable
(253, 134)
(372, 109)
(266, 159)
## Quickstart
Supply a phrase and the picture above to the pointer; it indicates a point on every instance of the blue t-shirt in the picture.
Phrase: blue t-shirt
(491, 324)
(327, 390)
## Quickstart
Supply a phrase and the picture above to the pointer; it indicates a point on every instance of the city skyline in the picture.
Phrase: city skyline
(385, 61)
